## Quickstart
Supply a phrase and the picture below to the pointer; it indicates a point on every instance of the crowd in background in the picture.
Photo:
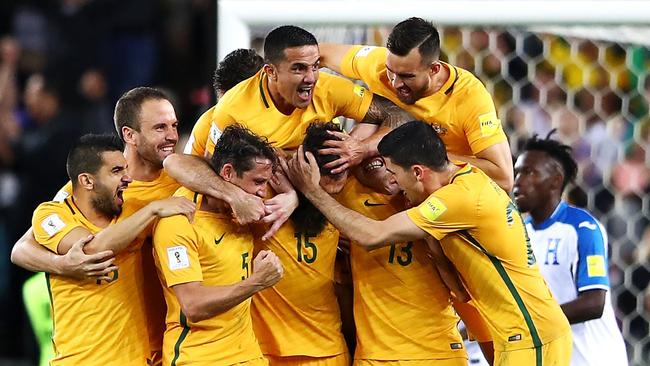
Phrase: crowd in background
(64, 63)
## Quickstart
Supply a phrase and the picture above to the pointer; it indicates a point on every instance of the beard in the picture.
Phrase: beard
(104, 202)
(149, 153)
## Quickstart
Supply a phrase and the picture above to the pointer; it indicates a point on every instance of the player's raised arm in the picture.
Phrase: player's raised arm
(195, 173)
(495, 161)
(370, 234)
(332, 54)
(381, 112)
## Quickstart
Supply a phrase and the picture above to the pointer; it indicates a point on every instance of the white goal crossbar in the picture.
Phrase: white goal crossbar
(235, 17)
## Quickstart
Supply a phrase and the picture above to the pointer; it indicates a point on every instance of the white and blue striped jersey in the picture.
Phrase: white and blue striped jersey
(571, 250)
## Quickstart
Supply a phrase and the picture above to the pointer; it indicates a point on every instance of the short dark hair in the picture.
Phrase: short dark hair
(556, 151)
(315, 137)
(306, 217)
(415, 32)
(239, 146)
(412, 143)
(238, 65)
(86, 154)
(128, 107)
(281, 38)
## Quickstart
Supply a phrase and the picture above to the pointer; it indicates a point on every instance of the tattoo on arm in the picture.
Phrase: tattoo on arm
(385, 113)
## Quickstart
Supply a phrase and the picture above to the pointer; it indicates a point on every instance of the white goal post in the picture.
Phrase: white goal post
(235, 17)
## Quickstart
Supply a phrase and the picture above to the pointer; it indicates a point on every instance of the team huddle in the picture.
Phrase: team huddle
(241, 250)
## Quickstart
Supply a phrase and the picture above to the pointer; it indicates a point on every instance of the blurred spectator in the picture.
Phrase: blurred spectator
(43, 148)
(9, 129)
(97, 111)
(632, 175)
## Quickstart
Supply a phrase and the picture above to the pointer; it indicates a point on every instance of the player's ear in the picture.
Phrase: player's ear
(227, 172)
(86, 181)
(128, 134)
(435, 67)
(418, 172)
(269, 69)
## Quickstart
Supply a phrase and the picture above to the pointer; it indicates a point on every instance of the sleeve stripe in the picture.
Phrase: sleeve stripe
(593, 287)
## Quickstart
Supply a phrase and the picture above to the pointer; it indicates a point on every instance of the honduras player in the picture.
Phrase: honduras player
(571, 250)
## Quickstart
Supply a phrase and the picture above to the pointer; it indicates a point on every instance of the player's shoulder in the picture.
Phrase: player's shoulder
(578, 217)
(329, 82)
(54, 206)
(466, 83)
(369, 53)
(206, 117)
(242, 92)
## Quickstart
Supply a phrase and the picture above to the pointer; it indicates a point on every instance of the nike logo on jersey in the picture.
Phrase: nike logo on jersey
(367, 203)
(588, 225)
(217, 241)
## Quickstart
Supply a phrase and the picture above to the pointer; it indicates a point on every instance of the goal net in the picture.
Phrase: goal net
(590, 81)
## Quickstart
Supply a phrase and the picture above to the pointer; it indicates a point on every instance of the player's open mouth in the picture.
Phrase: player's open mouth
(304, 92)
(373, 164)
(167, 149)
(404, 92)
(120, 195)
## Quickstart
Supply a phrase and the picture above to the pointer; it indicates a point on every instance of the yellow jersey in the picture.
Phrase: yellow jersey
(198, 138)
(402, 309)
(250, 104)
(217, 252)
(299, 316)
(482, 233)
(95, 323)
(149, 295)
(462, 111)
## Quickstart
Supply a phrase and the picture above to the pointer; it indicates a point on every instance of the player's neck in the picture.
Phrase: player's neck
(543, 212)
(280, 104)
(139, 168)
(83, 201)
(437, 180)
(439, 80)
(215, 205)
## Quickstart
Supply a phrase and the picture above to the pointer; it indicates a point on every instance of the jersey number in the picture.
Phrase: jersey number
(244, 265)
(405, 256)
(308, 258)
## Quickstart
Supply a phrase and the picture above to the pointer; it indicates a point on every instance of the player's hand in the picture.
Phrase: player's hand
(302, 171)
(81, 266)
(174, 206)
(267, 268)
(351, 150)
(278, 210)
(246, 207)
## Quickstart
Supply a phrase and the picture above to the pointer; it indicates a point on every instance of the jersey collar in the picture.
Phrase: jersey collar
(264, 92)
(448, 86)
(551, 219)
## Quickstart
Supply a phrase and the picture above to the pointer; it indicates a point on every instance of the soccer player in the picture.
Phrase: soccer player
(97, 322)
(571, 248)
(146, 120)
(408, 71)
(297, 321)
(402, 311)
(280, 101)
(205, 265)
(288, 94)
(238, 65)
(480, 231)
